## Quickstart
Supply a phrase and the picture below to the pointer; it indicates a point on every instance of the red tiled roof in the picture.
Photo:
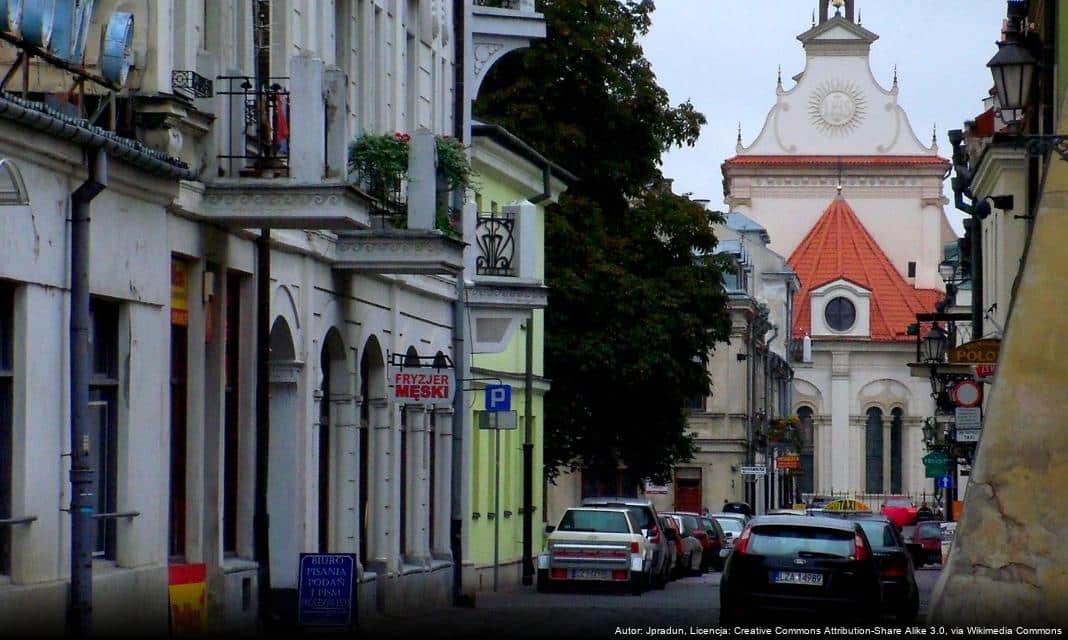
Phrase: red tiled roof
(834, 161)
(839, 247)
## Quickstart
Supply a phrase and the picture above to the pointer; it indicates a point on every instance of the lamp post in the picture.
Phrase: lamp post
(934, 351)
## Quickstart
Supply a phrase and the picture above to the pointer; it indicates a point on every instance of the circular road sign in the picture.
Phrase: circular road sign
(966, 394)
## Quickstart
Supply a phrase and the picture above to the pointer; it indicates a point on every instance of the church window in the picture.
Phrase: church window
(896, 425)
(873, 458)
(806, 481)
(840, 314)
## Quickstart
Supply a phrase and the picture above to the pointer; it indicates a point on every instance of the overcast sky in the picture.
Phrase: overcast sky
(723, 56)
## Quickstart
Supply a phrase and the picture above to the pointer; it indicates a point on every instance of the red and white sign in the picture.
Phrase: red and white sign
(984, 371)
(967, 394)
(412, 385)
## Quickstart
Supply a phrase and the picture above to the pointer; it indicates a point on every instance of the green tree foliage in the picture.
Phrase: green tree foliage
(636, 300)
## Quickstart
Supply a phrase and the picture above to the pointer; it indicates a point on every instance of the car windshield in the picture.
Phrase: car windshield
(594, 521)
(730, 525)
(792, 541)
(642, 516)
(690, 523)
(880, 534)
(929, 530)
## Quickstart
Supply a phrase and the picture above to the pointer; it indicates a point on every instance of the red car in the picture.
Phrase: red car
(900, 510)
(929, 538)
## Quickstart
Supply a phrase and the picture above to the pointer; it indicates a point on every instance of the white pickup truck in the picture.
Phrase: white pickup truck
(596, 545)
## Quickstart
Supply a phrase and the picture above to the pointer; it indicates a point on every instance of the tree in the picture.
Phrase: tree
(636, 295)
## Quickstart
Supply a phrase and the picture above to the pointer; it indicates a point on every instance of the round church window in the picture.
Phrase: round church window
(840, 314)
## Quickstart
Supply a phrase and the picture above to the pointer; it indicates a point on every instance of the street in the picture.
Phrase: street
(690, 602)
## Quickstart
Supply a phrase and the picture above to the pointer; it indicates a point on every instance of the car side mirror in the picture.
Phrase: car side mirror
(549, 528)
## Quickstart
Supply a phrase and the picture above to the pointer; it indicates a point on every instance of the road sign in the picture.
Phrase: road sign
(325, 591)
(498, 420)
(968, 435)
(655, 489)
(984, 371)
(754, 471)
(935, 464)
(945, 482)
(498, 397)
(966, 394)
(969, 418)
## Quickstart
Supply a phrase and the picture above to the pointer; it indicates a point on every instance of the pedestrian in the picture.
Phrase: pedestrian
(704, 512)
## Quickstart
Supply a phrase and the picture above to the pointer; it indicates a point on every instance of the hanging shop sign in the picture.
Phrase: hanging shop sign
(976, 352)
(788, 461)
(422, 385)
(179, 293)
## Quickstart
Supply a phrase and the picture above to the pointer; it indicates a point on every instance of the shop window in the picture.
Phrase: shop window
(103, 418)
(7, 443)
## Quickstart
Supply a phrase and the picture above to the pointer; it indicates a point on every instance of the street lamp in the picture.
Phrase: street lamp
(1013, 68)
(947, 270)
(934, 345)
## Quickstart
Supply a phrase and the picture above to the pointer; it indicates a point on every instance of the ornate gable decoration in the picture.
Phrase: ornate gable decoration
(837, 107)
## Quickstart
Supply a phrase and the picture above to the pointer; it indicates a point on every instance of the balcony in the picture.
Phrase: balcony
(499, 27)
(506, 284)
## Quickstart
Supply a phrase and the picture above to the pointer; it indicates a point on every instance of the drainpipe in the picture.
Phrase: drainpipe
(82, 500)
(528, 460)
(460, 348)
(260, 519)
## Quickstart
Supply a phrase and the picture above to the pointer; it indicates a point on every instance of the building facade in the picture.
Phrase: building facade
(253, 104)
(845, 188)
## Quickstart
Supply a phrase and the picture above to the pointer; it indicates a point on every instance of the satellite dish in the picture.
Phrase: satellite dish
(37, 17)
(85, 19)
(11, 15)
(71, 28)
(117, 53)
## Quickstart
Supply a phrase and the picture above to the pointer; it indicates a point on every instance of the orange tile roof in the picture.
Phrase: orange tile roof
(834, 161)
(839, 247)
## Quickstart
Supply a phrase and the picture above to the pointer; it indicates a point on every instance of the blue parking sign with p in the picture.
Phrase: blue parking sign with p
(498, 397)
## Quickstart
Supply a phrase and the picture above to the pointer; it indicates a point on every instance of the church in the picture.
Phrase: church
(846, 189)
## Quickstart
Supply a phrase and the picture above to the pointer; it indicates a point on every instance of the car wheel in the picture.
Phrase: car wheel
(637, 582)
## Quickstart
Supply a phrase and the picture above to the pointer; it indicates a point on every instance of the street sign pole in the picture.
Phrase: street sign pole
(496, 505)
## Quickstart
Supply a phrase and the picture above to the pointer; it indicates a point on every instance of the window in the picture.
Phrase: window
(912, 269)
(896, 425)
(806, 481)
(840, 314)
(103, 417)
(873, 477)
(7, 443)
(792, 541)
(595, 521)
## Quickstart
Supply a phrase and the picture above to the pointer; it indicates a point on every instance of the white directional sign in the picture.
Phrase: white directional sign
(497, 420)
(754, 471)
(968, 435)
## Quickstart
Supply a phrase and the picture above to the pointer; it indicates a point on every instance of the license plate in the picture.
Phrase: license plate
(795, 577)
(591, 574)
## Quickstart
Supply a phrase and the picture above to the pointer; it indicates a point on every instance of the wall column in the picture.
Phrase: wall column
(344, 410)
(383, 524)
(417, 549)
(840, 441)
(442, 482)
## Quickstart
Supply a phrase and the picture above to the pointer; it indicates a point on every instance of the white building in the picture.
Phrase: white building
(845, 188)
(175, 263)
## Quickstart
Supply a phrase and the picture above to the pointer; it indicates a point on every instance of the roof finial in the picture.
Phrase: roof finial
(739, 132)
(813, 17)
(779, 81)
(895, 75)
(859, 22)
(934, 134)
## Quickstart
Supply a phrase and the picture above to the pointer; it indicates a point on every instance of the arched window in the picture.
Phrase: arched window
(806, 481)
(896, 425)
(873, 478)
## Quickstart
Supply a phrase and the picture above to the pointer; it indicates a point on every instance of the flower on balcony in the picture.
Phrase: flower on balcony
(380, 163)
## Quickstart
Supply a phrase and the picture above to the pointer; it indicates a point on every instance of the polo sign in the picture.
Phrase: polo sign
(983, 351)
(422, 385)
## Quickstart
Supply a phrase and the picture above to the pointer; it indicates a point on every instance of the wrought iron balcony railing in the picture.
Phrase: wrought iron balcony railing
(191, 84)
(495, 238)
(520, 5)
(261, 113)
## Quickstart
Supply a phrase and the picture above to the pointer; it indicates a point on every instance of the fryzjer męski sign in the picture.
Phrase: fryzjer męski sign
(422, 385)
(325, 590)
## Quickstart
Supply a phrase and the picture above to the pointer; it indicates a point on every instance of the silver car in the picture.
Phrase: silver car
(732, 524)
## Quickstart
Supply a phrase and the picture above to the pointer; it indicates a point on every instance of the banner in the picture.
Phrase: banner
(187, 591)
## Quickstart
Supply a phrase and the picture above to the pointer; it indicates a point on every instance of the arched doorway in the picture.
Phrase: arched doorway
(282, 490)
(372, 387)
(333, 387)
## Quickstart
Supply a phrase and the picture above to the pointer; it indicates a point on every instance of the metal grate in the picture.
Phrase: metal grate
(191, 84)
(494, 236)
(266, 125)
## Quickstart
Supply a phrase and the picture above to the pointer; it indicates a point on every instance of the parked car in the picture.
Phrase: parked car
(674, 548)
(692, 552)
(732, 525)
(901, 510)
(596, 545)
(709, 535)
(927, 548)
(718, 542)
(901, 597)
(647, 519)
(738, 507)
(797, 565)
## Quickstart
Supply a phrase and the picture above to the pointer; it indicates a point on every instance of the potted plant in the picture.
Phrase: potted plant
(379, 162)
